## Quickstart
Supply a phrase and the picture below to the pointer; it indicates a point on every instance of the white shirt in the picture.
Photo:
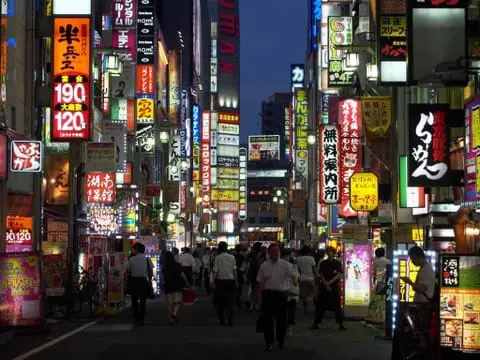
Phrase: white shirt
(305, 265)
(381, 263)
(206, 261)
(224, 267)
(187, 260)
(137, 266)
(277, 275)
(425, 276)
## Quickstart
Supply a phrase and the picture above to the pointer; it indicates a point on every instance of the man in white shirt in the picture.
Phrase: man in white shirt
(188, 263)
(224, 283)
(274, 279)
(140, 269)
(306, 267)
(206, 259)
(424, 285)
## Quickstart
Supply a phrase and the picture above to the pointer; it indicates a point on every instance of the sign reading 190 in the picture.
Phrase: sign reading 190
(71, 106)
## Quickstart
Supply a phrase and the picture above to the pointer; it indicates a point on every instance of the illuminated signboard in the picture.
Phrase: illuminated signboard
(205, 156)
(409, 196)
(145, 111)
(402, 266)
(213, 58)
(145, 33)
(26, 156)
(196, 136)
(340, 33)
(173, 86)
(288, 125)
(71, 79)
(364, 191)
(429, 145)
(329, 165)
(301, 137)
(472, 150)
(22, 302)
(228, 117)
(3, 156)
(350, 123)
(68, 7)
(459, 303)
(100, 188)
(174, 158)
(19, 233)
(264, 147)
(316, 18)
(228, 129)
(357, 272)
(297, 76)
(103, 219)
(242, 213)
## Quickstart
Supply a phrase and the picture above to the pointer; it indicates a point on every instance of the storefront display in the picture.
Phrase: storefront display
(357, 269)
(21, 291)
(402, 266)
(460, 303)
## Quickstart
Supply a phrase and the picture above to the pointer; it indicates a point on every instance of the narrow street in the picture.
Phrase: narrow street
(199, 336)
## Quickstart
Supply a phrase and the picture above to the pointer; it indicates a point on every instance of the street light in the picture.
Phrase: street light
(275, 199)
(279, 192)
(164, 137)
(311, 139)
(372, 72)
(112, 62)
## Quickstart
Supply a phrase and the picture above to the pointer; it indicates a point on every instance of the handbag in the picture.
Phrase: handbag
(189, 296)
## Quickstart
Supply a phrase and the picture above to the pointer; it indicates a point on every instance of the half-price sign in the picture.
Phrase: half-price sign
(71, 77)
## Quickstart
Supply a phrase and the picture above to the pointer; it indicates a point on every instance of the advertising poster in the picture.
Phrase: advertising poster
(116, 278)
(364, 191)
(56, 172)
(357, 269)
(264, 147)
(116, 133)
(103, 219)
(472, 150)
(54, 270)
(100, 157)
(460, 303)
(20, 290)
(19, 234)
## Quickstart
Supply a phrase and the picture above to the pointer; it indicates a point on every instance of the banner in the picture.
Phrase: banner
(329, 165)
(377, 115)
(20, 290)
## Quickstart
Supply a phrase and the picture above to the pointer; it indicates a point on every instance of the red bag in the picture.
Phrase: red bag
(189, 297)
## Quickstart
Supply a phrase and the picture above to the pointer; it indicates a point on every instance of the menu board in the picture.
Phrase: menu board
(357, 274)
(460, 303)
(20, 290)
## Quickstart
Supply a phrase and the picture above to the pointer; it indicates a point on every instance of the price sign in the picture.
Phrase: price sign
(71, 79)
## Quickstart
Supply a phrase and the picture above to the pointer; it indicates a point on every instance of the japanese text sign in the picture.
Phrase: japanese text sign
(393, 26)
(19, 233)
(297, 79)
(340, 33)
(125, 39)
(174, 149)
(100, 188)
(20, 290)
(145, 111)
(350, 123)
(100, 157)
(26, 156)
(196, 136)
(124, 13)
(145, 33)
(450, 271)
(301, 120)
(229, 117)
(428, 158)
(364, 191)
(329, 165)
(145, 79)
(71, 79)
(205, 161)
(377, 115)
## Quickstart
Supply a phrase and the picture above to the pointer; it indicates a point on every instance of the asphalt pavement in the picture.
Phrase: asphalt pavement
(198, 336)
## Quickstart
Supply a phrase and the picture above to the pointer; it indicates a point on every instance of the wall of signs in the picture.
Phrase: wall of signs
(329, 165)
(340, 33)
(460, 303)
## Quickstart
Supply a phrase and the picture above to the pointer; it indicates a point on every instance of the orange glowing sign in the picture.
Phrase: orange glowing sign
(71, 79)
(145, 111)
(145, 79)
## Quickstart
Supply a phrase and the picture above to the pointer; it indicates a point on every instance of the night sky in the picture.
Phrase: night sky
(273, 35)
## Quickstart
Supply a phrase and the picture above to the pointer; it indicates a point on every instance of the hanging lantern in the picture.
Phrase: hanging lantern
(112, 62)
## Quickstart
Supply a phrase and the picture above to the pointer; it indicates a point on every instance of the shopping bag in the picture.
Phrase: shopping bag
(189, 296)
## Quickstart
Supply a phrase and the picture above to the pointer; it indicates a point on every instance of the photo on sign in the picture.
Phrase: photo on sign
(116, 133)
(123, 86)
(55, 186)
(265, 147)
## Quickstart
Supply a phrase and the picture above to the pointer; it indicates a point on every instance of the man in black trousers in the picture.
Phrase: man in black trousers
(274, 278)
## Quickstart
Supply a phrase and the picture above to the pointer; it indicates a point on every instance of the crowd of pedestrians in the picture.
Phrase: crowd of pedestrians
(270, 281)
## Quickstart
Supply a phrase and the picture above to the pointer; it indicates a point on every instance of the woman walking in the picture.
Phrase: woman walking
(292, 293)
(174, 283)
